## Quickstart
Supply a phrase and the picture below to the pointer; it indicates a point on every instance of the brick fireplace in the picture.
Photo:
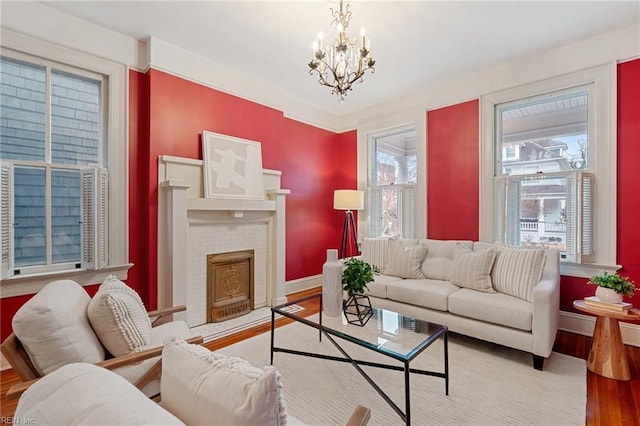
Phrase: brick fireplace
(191, 227)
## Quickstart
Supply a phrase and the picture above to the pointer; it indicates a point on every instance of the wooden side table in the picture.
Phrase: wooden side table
(607, 356)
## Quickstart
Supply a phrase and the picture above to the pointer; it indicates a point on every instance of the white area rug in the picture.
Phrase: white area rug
(488, 384)
(214, 331)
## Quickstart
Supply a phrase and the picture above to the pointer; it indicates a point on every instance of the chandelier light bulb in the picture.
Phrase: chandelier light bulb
(342, 63)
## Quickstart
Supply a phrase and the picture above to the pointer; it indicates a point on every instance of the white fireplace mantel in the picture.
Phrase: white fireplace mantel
(184, 215)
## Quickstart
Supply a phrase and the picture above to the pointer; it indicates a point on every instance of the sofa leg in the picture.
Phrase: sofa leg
(538, 361)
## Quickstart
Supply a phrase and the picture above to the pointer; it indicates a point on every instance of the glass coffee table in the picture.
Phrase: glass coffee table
(389, 333)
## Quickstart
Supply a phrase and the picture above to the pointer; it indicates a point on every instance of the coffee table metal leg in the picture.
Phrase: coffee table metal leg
(407, 389)
(446, 363)
(273, 323)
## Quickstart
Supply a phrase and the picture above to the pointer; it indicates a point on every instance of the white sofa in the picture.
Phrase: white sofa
(506, 295)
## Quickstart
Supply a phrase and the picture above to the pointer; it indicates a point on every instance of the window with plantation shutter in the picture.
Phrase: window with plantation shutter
(64, 154)
(391, 208)
(548, 168)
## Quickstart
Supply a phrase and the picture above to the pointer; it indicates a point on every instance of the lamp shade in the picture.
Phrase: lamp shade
(348, 199)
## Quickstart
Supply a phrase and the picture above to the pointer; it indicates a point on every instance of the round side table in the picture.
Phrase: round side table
(607, 356)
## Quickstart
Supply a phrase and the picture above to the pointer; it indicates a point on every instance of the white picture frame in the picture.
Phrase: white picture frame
(232, 167)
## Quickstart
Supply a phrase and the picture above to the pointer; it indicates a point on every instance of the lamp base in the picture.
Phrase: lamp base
(348, 235)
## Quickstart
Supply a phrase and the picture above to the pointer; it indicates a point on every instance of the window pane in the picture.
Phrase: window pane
(395, 160)
(75, 119)
(22, 111)
(29, 216)
(65, 216)
(543, 215)
(547, 134)
(389, 211)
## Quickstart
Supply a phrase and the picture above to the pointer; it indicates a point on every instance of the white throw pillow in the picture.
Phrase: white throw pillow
(517, 270)
(404, 261)
(54, 329)
(119, 317)
(202, 387)
(374, 251)
(473, 269)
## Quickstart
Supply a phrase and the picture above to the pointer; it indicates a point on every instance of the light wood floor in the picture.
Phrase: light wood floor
(609, 402)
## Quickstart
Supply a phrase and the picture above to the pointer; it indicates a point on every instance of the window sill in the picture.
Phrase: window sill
(586, 270)
(20, 285)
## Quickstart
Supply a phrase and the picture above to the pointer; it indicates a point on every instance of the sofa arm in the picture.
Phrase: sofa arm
(546, 306)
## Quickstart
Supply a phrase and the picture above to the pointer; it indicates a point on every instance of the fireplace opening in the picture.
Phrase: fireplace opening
(229, 285)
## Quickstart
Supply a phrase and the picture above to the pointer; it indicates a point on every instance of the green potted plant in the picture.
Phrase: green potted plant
(612, 287)
(355, 276)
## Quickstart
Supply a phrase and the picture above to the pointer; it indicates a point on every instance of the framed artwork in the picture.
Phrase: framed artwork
(232, 167)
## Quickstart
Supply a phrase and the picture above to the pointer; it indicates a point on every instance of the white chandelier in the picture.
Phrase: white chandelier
(343, 62)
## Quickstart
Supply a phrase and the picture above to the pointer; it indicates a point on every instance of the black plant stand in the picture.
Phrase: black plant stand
(357, 309)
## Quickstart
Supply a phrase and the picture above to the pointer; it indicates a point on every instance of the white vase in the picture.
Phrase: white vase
(608, 295)
(332, 284)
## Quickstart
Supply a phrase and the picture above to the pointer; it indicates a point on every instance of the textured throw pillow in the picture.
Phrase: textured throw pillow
(402, 261)
(473, 269)
(374, 251)
(517, 270)
(54, 329)
(119, 317)
(203, 387)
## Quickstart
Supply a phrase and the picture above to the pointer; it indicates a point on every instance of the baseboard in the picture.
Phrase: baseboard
(584, 324)
(302, 284)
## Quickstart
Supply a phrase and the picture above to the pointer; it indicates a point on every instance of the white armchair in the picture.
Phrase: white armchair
(62, 325)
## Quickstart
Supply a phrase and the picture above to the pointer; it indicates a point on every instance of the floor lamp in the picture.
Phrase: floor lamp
(349, 200)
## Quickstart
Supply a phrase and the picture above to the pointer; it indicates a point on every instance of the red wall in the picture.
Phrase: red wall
(453, 172)
(308, 157)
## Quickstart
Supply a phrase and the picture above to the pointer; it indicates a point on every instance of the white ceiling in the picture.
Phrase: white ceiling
(415, 43)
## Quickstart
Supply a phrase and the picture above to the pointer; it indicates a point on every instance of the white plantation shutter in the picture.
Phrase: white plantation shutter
(513, 211)
(500, 198)
(407, 206)
(375, 211)
(587, 204)
(6, 218)
(95, 233)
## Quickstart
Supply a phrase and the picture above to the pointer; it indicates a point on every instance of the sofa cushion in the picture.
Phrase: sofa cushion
(438, 262)
(404, 261)
(473, 269)
(54, 328)
(495, 308)
(119, 317)
(84, 394)
(374, 251)
(517, 270)
(427, 293)
(203, 387)
(378, 287)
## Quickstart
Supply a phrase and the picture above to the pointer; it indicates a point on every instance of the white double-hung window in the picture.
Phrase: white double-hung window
(60, 142)
(392, 184)
(553, 153)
